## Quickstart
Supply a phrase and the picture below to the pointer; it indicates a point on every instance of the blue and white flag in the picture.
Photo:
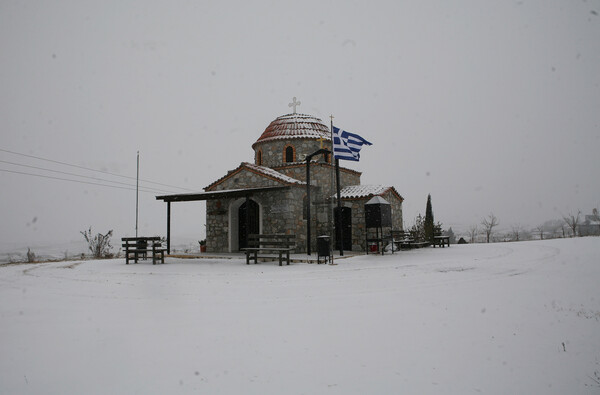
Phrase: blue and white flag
(347, 145)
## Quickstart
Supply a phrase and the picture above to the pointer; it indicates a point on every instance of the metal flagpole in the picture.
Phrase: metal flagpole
(339, 198)
(308, 216)
(331, 193)
(137, 186)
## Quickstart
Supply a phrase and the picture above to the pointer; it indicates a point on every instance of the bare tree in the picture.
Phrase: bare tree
(488, 225)
(540, 231)
(552, 227)
(572, 221)
(517, 232)
(473, 230)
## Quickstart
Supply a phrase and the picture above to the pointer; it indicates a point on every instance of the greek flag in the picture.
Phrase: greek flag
(347, 145)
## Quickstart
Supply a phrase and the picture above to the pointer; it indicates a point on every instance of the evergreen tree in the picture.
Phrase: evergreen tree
(428, 225)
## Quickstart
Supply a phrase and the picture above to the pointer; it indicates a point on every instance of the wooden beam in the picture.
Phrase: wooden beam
(168, 227)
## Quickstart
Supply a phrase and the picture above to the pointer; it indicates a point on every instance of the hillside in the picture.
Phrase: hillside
(496, 319)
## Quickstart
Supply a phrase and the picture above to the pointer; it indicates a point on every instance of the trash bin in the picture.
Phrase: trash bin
(141, 245)
(323, 248)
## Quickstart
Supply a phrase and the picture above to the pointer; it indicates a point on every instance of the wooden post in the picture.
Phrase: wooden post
(168, 227)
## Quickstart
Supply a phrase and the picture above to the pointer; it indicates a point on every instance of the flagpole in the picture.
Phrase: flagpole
(331, 193)
(137, 186)
(339, 197)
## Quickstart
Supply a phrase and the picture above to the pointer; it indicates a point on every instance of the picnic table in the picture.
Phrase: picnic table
(441, 241)
(139, 247)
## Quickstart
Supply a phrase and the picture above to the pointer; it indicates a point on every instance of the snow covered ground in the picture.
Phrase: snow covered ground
(497, 319)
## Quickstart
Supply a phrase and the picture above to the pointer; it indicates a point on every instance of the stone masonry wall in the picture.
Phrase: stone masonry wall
(358, 219)
(282, 211)
(273, 152)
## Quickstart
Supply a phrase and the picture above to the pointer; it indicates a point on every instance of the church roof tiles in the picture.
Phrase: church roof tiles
(293, 126)
(366, 191)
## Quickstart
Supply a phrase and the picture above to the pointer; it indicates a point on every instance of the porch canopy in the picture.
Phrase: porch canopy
(211, 195)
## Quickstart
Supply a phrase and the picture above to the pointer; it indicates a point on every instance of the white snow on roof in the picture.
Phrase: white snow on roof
(302, 134)
(295, 126)
(359, 191)
(272, 173)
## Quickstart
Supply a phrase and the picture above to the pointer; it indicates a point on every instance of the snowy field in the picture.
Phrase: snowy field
(510, 318)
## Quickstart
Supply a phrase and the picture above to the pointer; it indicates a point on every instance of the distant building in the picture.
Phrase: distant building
(591, 225)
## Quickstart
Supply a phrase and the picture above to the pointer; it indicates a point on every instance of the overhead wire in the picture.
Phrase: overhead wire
(77, 181)
(94, 170)
(79, 175)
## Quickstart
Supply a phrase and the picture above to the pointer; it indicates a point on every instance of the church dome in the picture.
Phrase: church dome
(294, 126)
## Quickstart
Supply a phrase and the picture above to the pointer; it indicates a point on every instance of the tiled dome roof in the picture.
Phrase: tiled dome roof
(294, 126)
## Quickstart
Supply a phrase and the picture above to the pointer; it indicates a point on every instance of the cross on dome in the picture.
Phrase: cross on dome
(294, 104)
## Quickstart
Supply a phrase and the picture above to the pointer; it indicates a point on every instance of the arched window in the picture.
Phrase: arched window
(289, 154)
(259, 158)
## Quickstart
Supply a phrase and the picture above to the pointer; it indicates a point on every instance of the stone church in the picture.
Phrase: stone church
(269, 195)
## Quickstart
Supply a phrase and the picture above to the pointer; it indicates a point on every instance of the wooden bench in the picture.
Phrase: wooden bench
(418, 242)
(275, 243)
(406, 240)
(401, 239)
(139, 247)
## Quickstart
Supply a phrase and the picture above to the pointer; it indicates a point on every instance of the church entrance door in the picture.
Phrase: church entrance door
(345, 233)
(248, 218)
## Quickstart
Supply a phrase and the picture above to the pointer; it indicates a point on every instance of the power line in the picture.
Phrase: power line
(77, 181)
(78, 175)
(87, 168)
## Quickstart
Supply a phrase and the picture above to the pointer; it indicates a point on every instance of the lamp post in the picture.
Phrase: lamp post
(308, 218)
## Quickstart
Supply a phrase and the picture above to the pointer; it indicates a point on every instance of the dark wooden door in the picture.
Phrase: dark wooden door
(248, 222)
(345, 233)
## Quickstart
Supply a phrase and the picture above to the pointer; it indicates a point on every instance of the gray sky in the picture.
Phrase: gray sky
(489, 106)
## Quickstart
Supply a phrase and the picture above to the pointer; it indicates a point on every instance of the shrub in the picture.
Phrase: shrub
(99, 245)
(30, 256)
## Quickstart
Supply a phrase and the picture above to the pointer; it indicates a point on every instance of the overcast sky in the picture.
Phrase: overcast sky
(490, 106)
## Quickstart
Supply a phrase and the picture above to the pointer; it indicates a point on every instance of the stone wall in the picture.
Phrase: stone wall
(284, 211)
(278, 212)
(217, 225)
(358, 219)
(321, 174)
(273, 152)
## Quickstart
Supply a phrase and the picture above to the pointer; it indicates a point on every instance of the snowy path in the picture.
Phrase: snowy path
(496, 319)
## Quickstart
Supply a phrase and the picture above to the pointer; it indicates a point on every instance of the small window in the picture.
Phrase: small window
(289, 154)
(259, 158)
